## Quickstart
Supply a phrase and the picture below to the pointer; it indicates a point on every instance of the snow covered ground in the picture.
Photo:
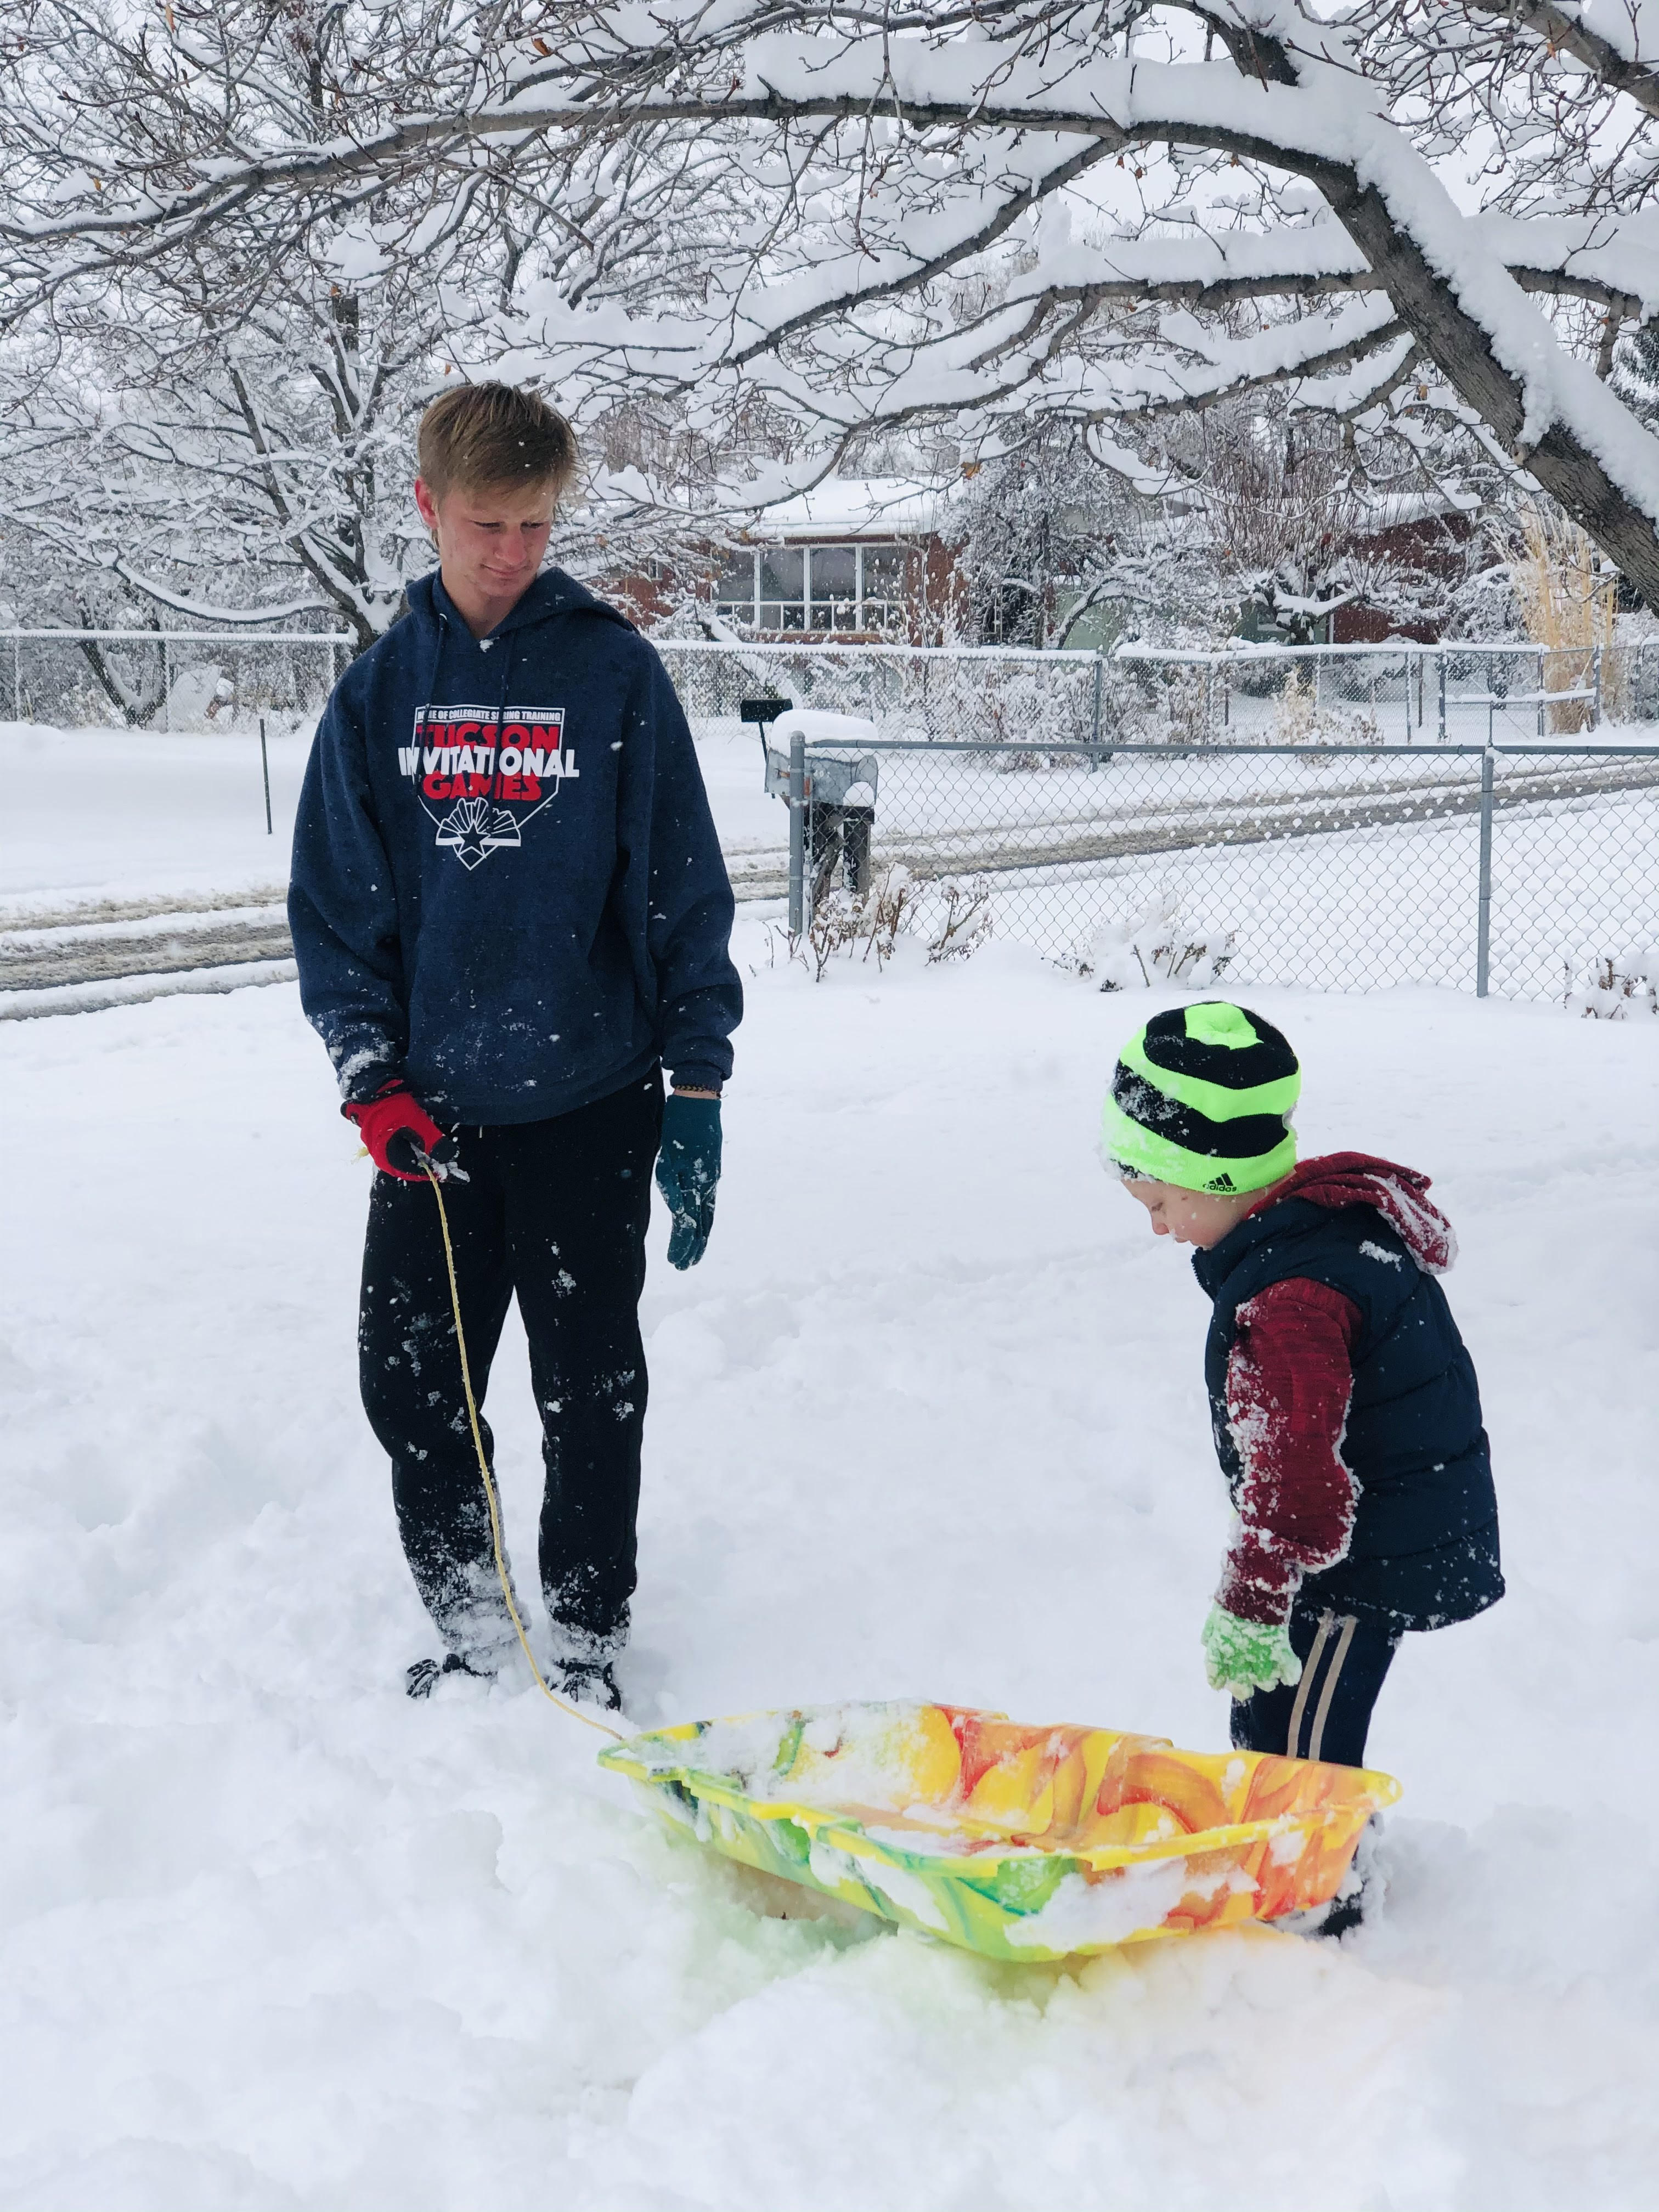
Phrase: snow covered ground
(927, 1421)
(107, 813)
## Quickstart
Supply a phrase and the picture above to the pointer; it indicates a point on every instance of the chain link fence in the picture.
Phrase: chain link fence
(1401, 694)
(1340, 817)
(984, 695)
(1404, 693)
(167, 680)
(1522, 872)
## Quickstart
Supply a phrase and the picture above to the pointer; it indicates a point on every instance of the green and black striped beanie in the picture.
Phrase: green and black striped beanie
(1202, 1098)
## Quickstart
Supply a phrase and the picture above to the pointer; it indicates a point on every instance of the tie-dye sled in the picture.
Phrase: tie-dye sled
(1020, 1843)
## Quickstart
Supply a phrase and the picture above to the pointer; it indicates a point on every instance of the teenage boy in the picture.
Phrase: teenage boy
(1344, 1404)
(510, 912)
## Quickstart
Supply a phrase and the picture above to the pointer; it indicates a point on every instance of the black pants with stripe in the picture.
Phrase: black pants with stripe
(555, 1214)
(1328, 1713)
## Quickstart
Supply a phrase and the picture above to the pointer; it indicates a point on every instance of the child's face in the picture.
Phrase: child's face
(1193, 1216)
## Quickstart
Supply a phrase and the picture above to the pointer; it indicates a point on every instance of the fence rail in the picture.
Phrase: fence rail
(167, 680)
(1508, 870)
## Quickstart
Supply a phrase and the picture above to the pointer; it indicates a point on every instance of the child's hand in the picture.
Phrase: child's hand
(1242, 1656)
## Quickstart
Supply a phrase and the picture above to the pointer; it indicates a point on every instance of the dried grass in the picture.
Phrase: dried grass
(1568, 602)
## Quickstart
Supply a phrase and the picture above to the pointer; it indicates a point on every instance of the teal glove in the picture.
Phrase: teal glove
(1242, 1657)
(688, 1172)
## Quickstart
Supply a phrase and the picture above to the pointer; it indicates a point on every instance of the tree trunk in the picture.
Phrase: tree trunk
(1462, 352)
(1459, 346)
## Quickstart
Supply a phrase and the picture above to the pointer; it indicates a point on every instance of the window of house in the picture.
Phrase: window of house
(734, 594)
(817, 588)
(882, 589)
(835, 586)
(782, 598)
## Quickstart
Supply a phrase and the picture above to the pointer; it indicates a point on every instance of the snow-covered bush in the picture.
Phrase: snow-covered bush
(1615, 986)
(1188, 698)
(1301, 718)
(844, 921)
(1293, 712)
(1158, 945)
(950, 919)
(958, 920)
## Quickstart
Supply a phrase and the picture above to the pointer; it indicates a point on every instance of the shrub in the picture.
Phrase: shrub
(1613, 988)
(1158, 946)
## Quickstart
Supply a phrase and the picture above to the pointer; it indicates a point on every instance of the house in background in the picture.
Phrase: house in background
(1429, 539)
(857, 560)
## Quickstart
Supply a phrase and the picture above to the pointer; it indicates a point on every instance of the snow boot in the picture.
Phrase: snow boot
(590, 1682)
(1342, 1914)
(1361, 1891)
(424, 1676)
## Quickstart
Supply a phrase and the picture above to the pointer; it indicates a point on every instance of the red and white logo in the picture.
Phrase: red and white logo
(482, 783)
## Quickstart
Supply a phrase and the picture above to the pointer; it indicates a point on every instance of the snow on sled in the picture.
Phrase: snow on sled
(1020, 1843)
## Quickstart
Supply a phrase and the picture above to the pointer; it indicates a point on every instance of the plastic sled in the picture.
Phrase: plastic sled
(1020, 1843)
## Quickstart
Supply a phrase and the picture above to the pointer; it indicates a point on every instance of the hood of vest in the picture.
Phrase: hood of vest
(1337, 1180)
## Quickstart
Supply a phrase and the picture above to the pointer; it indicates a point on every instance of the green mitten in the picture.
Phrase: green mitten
(1242, 1657)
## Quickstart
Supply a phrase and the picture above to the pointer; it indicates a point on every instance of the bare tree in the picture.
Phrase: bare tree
(883, 215)
(222, 421)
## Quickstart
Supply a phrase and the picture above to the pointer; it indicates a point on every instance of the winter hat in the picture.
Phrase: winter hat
(1202, 1098)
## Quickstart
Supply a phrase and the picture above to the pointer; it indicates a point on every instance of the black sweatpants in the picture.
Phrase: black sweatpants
(1328, 1713)
(555, 1213)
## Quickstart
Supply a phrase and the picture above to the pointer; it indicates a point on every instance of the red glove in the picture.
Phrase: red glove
(395, 1126)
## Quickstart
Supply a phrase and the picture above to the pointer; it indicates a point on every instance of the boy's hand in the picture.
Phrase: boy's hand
(1242, 1656)
(398, 1130)
(688, 1171)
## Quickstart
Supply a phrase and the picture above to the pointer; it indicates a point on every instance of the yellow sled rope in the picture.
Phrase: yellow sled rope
(489, 1480)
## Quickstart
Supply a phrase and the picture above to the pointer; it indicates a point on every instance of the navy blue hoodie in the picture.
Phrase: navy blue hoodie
(507, 885)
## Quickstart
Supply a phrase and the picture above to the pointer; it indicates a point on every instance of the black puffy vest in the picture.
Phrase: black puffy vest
(1423, 1550)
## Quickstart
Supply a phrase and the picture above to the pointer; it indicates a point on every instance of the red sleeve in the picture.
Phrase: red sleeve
(1290, 1377)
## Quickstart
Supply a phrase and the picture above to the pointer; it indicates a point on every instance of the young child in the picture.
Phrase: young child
(1345, 1407)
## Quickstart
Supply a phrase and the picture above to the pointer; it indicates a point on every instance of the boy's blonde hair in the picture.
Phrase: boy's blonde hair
(484, 437)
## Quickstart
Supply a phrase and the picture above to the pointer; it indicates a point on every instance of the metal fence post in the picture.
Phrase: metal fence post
(1483, 933)
(797, 836)
(1595, 678)
(166, 689)
(1440, 662)
(16, 680)
(264, 770)
(1100, 679)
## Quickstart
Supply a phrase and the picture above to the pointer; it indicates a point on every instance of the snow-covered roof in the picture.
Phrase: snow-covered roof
(1392, 510)
(855, 506)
